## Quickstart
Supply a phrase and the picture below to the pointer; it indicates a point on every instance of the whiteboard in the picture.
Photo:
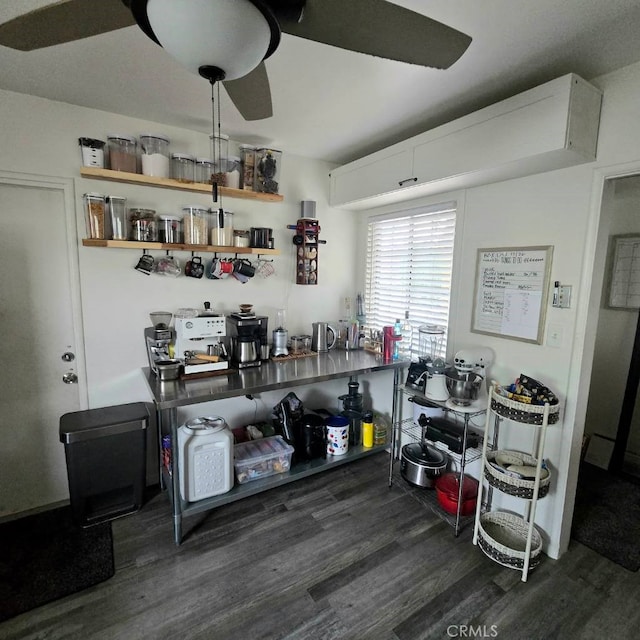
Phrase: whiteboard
(512, 285)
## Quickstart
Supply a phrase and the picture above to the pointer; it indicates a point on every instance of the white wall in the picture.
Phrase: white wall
(41, 137)
(559, 208)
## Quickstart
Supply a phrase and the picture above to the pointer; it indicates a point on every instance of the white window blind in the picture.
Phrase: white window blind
(409, 263)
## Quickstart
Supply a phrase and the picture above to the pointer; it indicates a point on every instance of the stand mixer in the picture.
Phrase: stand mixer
(476, 360)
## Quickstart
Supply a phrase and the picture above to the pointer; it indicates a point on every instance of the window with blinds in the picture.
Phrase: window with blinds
(409, 263)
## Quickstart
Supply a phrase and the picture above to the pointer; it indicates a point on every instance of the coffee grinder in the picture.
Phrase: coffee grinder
(247, 333)
(280, 334)
(158, 338)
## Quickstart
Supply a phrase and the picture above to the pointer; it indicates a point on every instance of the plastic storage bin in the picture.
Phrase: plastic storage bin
(118, 217)
(262, 458)
(94, 208)
(183, 167)
(204, 169)
(267, 170)
(105, 450)
(143, 225)
(154, 155)
(122, 153)
(92, 152)
(195, 224)
(205, 448)
(221, 228)
(169, 229)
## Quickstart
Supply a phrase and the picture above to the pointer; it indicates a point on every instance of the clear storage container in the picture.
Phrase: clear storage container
(248, 160)
(92, 152)
(94, 207)
(204, 169)
(219, 150)
(169, 229)
(267, 170)
(205, 457)
(261, 458)
(142, 225)
(233, 172)
(122, 153)
(118, 217)
(195, 224)
(221, 228)
(183, 167)
(154, 149)
(241, 238)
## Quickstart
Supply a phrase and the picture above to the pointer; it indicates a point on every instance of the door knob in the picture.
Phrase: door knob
(70, 378)
(68, 356)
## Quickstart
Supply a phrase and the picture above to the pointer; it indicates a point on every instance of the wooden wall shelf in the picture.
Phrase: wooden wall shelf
(167, 183)
(165, 246)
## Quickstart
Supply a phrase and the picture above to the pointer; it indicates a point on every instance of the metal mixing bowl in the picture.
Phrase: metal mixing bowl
(463, 387)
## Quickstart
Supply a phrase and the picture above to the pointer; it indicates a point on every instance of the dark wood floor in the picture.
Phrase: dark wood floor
(338, 555)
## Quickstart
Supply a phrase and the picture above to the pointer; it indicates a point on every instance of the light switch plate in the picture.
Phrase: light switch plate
(554, 335)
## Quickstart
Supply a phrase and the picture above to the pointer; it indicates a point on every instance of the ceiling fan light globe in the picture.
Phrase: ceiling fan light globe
(232, 35)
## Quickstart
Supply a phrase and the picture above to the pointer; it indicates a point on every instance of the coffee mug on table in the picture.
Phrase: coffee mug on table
(337, 435)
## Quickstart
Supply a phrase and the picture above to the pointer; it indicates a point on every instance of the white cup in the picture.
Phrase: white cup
(337, 436)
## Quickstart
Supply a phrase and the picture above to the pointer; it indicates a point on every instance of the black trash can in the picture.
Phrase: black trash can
(106, 453)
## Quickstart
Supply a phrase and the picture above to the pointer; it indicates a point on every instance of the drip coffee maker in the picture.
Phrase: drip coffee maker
(280, 334)
(158, 338)
(247, 333)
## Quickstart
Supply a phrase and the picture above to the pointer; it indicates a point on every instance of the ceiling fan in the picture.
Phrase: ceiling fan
(228, 40)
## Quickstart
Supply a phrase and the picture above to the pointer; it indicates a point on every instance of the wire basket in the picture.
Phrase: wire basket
(522, 412)
(503, 537)
(518, 487)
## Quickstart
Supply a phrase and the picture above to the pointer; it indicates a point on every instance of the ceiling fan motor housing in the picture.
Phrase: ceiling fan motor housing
(219, 39)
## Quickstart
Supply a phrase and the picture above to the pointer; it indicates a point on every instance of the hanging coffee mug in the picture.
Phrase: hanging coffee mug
(244, 267)
(194, 268)
(265, 268)
(145, 264)
(167, 266)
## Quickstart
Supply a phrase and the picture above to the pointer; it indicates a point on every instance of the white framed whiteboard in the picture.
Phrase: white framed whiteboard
(511, 290)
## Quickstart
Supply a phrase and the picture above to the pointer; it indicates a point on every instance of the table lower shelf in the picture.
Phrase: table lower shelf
(297, 472)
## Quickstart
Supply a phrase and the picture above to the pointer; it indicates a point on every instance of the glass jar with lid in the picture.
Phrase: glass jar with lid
(142, 225)
(221, 228)
(169, 228)
(248, 160)
(204, 169)
(267, 170)
(241, 238)
(233, 172)
(195, 224)
(154, 154)
(183, 167)
(122, 153)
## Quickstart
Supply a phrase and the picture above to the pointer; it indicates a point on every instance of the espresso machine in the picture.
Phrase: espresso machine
(199, 343)
(247, 335)
(158, 338)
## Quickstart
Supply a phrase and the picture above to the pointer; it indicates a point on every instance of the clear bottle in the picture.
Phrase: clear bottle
(397, 332)
(407, 336)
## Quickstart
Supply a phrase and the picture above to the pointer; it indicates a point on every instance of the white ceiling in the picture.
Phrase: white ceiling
(332, 104)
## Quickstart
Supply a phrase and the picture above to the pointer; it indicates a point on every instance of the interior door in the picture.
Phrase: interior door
(42, 373)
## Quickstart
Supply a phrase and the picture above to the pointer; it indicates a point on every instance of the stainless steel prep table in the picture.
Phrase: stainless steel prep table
(168, 396)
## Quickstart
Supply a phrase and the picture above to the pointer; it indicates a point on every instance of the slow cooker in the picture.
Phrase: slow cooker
(421, 464)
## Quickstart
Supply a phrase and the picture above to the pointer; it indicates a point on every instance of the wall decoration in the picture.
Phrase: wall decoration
(511, 289)
(624, 280)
